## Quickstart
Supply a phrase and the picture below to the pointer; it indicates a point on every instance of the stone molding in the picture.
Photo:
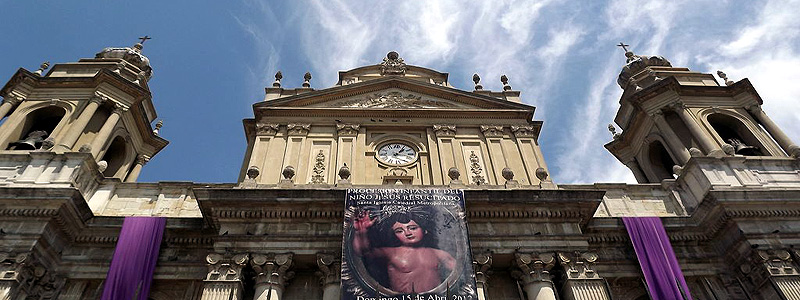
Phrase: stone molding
(221, 268)
(272, 268)
(523, 131)
(298, 129)
(13, 99)
(578, 265)
(533, 267)
(330, 267)
(482, 264)
(347, 129)
(267, 128)
(492, 131)
(444, 130)
(142, 159)
(34, 280)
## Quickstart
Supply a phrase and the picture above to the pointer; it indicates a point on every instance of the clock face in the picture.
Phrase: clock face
(396, 154)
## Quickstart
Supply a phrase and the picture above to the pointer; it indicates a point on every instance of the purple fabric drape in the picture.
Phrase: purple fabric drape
(660, 267)
(134, 260)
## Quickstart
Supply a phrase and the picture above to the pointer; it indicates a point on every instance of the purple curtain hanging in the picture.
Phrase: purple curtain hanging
(660, 267)
(134, 259)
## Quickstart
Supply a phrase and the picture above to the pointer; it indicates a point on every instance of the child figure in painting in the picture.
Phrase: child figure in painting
(413, 265)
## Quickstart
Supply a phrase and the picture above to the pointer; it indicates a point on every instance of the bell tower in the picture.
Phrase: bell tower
(670, 114)
(100, 105)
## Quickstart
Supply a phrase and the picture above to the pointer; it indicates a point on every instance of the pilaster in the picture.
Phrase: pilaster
(272, 274)
(534, 274)
(224, 278)
(581, 282)
(482, 265)
(330, 271)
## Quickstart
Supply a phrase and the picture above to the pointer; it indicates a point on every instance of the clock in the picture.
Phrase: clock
(396, 154)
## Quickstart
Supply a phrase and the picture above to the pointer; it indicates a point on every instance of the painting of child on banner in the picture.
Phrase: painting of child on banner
(406, 244)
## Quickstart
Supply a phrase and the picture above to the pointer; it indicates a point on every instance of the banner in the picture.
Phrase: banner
(134, 261)
(653, 250)
(406, 244)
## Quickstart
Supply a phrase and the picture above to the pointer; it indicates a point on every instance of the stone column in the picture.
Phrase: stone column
(105, 132)
(702, 136)
(783, 140)
(637, 171)
(673, 141)
(272, 274)
(224, 279)
(581, 282)
(482, 265)
(9, 102)
(141, 160)
(330, 271)
(77, 127)
(534, 274)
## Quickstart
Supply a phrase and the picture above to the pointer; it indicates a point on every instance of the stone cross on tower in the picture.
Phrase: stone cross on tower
(144, 38)
(624, 46)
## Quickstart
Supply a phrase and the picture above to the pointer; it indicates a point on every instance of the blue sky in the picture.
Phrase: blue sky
(212, 61)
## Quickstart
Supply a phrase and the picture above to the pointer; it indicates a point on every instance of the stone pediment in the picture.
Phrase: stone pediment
(393, 93)
(392, 99)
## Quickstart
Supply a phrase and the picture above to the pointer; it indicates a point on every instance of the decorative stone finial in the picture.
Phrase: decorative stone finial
(253, 172)
(504, 80)
(288, 172)
(541, 173)
(102, 166)
(278, 77)
(676, 169)
(159, 124)
(344, 172)
(694, 152)
(453, 173)
(724, 78)
(307, 78)
(613, 131)
(508, 174)
(42, 67)
(393, 64)
(628, 54)
(477, 80)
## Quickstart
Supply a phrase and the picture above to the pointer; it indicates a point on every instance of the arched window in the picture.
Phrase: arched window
(115, 156)
(735, 133)
(660, 161)
(38, 125)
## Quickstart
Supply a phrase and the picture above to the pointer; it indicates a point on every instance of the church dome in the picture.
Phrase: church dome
(131, 55)
(637, 63)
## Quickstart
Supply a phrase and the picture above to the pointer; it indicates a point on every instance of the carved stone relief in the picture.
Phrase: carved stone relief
(318, 171)
(393, 99)
(523, 131)
(298, 129)
(495, 131)
(442, 130)
(267, 128)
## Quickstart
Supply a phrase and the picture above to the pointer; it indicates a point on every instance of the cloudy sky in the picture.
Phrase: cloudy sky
(212, 61)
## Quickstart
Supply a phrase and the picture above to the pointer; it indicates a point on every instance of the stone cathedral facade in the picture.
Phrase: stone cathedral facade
(722, 176)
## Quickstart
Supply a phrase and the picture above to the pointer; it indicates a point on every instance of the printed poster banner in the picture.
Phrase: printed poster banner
(406, 244)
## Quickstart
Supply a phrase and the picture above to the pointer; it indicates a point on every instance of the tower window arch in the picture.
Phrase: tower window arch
(660, 161)
(115, 156)
(37, 126)
(732, 131)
